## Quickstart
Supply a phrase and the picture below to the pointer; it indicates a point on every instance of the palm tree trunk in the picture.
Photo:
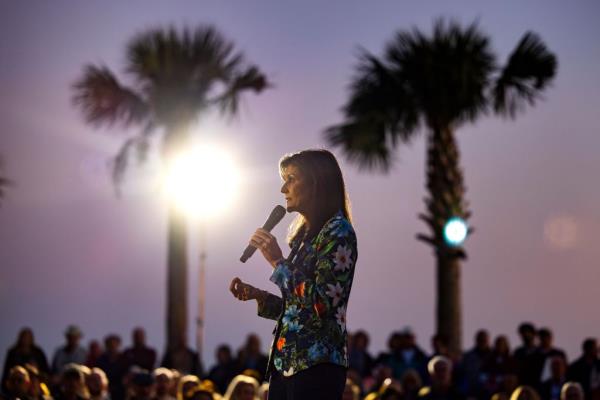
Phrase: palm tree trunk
(445, 200)
(176, 280)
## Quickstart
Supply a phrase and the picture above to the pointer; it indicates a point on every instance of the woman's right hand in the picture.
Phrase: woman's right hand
(243, 291)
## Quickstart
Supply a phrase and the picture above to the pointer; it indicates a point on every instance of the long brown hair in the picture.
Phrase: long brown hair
(328, 190)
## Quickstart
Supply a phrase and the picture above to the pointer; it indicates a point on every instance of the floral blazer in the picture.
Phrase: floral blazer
(315, 282)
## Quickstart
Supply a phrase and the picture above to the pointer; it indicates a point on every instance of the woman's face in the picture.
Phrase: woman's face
(295, 189)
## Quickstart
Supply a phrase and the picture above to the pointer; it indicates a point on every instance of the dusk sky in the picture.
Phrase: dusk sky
(72, 252)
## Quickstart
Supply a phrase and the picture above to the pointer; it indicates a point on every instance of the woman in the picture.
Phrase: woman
(25, 351)
(308, 359)
(242, 387)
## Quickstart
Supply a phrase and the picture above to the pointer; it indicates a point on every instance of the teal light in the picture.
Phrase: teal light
(455, 231)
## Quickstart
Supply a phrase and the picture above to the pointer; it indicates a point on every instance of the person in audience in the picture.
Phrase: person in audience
(351, 391)
(139, 354)
(359, 357)
(473, 362)
(182, 358)
(225, 369)
(113, 365)
(72, 384)
(550, 388)
(263, 391)
(205, 390)
(403, 354)
(526, 355)
(586, 369)
(242, 387)
(250, 357)
(525, 393)
(411, 384)
(497, 366)
(141, 385)
(440, 375)
(163, 378)
(71, 352)
(546, 351)
(17, 384)
(93, 354)
(38, 390)
(185, 384)
(24, 351)
(572, 391)
(97, 384)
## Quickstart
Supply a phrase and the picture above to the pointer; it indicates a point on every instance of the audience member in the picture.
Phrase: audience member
(351, 391)
(411, 383)
(497, 366)
(242, 387)
(526, 355)
(440, 376)
(550, 388)
(97, 385)
(113, 365)
(93, 354)
(225, 369)
(139, 354)
(182, 358)
(163, 378)
(72, 384)
(525, 393)
(572, 391)
(24, 351)
(38, 390)
(472, 363)
(250, 356)
(71, 352)
(141, 386)
(546, 351)
(17, 384)
(586, 369)
(359, 358)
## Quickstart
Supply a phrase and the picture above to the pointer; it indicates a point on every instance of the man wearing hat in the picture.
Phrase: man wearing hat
(71, 352)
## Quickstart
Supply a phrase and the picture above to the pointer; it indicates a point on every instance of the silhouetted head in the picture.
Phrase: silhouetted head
(527, 332)
(571, 391)
(440, 371)
(590, 348)
(545, 336)
(25, 338)
(138, 337)
(482, 339)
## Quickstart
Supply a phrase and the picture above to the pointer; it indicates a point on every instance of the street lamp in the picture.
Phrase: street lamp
(202, 183)
(455, 231)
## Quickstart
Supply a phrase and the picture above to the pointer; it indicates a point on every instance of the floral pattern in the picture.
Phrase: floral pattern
(315, 282)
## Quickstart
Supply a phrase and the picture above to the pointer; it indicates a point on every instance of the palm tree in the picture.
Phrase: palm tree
(434, 84)
(176, 76)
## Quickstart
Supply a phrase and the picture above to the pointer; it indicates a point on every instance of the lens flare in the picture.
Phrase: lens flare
(202, 182)
(455, 231)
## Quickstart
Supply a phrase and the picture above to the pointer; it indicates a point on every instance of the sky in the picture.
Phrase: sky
(71, 251)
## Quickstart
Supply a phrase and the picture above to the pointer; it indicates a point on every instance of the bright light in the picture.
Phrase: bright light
(455, 231)
(202, 182)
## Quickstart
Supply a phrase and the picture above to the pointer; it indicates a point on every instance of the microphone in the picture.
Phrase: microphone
(276, 215)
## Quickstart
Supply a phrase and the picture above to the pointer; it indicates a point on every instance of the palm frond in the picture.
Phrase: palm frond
(379, 114)
(364, 143)
(251, 79)
(530, 69)
(103, 100)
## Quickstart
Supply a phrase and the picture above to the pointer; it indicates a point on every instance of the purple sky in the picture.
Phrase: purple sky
(71, 252)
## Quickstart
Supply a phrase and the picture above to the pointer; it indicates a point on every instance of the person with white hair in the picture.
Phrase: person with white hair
(571, 391)
(97, 384)
(163, 378)
(242, 387)
(440, 375)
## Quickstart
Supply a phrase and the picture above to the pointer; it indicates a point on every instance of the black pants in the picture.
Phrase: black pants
(320, 382)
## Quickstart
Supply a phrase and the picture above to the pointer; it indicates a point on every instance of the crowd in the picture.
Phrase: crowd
(534, 370)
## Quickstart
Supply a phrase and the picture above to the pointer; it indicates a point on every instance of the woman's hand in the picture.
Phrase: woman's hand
(243, 291)
(267, 244)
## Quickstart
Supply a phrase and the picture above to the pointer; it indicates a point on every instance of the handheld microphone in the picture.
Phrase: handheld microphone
(276, 215)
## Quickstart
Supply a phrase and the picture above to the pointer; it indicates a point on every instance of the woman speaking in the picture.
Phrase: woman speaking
(308, 357)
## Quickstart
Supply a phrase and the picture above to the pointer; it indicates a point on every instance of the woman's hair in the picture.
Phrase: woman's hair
(237, 383)
(326, 183)
(525, 393)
